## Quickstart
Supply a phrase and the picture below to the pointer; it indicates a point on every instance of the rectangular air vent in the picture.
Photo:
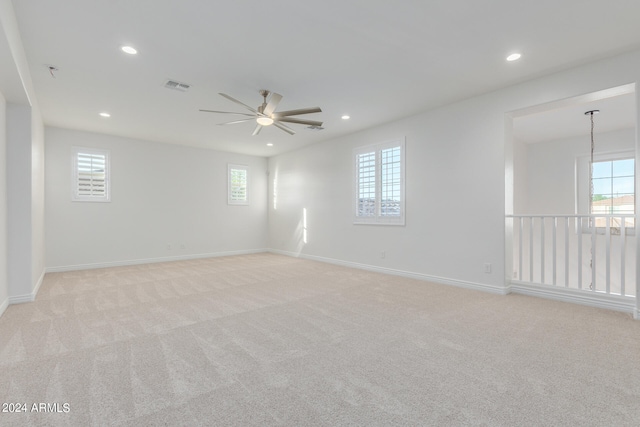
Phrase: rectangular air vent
(175, 85)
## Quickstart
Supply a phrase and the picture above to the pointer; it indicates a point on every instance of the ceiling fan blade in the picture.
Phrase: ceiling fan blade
(272, 104)
(257, 130)
(299, 121)
(284, 128)
(253, 110)
(235, 121)
(297, 112)
(227, 112)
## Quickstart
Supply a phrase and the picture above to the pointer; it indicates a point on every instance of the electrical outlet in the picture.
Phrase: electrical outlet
(383, 254)
(182, 246)
(169, 246)
(487, 268)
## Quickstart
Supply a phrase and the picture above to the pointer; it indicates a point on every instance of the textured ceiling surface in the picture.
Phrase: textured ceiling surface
(374, 60)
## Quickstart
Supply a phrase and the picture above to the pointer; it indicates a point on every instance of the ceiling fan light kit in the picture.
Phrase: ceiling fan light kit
(265, 114)
(264, 121)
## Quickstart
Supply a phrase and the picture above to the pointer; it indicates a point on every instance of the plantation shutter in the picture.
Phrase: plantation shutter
(91, 175)
(379, 183)
(390, 182)
(366, 177)
(238, 185)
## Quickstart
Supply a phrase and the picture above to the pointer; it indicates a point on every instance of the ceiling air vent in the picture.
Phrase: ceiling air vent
(175, 85)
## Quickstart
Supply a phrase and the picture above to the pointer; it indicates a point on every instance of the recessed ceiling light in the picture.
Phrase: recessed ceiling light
(130, 50)
(346, 117)
(269, 144)
(104, 114)
(513, 57)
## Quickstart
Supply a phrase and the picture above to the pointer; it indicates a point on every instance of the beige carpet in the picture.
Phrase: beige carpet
(271, 340)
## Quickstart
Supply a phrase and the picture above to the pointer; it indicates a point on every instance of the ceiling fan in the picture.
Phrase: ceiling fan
(265, 114)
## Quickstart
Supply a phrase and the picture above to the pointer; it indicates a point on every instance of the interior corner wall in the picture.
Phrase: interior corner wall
(168, 202)
(455, 186)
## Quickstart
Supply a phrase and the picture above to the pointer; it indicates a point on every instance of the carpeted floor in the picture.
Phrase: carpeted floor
(271, 340)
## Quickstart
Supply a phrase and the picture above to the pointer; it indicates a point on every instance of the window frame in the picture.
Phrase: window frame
(230, 190)
(584, 196)
(378, 218)
(611, 177)
(75, 172)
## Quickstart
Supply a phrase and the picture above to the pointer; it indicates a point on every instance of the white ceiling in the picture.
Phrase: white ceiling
(616, 112)
(374, 60)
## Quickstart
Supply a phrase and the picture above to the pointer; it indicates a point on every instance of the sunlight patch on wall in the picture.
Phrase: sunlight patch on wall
(275, 190)
(304, 225)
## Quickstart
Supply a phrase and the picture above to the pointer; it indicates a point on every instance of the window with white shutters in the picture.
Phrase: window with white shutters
(238, 184)
(379, 184)
(90, 175)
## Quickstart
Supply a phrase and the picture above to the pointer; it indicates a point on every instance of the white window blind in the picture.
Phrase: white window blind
(379, 182)
(90, 173)
(238, 184)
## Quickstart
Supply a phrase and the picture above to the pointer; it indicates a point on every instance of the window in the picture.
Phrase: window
(90, 175)
(238, 183)
(613, 189)
(379, 184)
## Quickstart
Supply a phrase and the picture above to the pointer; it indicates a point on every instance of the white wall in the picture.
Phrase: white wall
(520, 178)
(4, 284)
(37, 199)
(25, 201)
(161, 195)
(551, 169)
(439, 238)
(19, 199)
(455, 184)
(24, 185)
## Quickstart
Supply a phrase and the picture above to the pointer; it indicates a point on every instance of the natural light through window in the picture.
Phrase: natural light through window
(390, 182)
(90, 181)
(613, 189)
(238, 185)
(367, 184)
(275, 190)
(304, 225)
(379, 182)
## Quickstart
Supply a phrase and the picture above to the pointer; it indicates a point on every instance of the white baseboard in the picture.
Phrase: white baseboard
(419, 276)
(576, 296)
(4, 306)
(19, 299)
(123, 263)
(38, 284)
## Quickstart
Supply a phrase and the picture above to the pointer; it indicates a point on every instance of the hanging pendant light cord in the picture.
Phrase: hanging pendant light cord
(591, 219)
(591, 166)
